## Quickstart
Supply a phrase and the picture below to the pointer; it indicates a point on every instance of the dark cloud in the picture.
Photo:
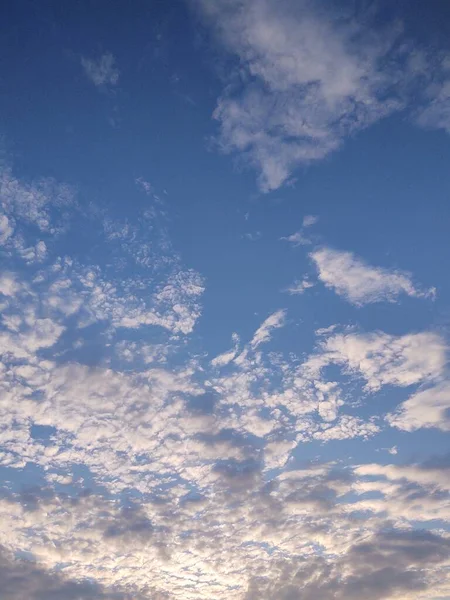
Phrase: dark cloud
(391, 562)
(23, 579)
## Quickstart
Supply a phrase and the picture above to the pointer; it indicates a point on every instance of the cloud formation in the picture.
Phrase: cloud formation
(360, 283)
(138, 467)
(309, 76)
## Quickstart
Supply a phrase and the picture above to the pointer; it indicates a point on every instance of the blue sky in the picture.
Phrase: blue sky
(225, 302)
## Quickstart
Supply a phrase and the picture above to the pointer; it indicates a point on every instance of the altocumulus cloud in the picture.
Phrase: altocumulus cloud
(203, 445)
(140, 462)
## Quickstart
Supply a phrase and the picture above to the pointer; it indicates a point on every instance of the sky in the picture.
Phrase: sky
(225, 300)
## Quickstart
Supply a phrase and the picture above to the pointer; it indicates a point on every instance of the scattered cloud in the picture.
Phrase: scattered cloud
(101, 71)
(156, 472)
(360, 283)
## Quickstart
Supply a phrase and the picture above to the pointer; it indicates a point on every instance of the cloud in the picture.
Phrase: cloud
(9, 285)
(136, 468)
(263, 333)
(388, 564)
(101, 71)
(310, 220)
(5, 229)
(23, 578)
(253, 237)
(383, 359)
(226, 357)
(299, 238)
(309, 76)
(299, 287)
(426, 408)
(347, 427)
(360, 283)
(435, 113)
(40, 203)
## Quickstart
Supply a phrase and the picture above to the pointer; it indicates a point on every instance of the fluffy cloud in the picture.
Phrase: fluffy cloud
(360, 283)
(294, 538)
(382, 359)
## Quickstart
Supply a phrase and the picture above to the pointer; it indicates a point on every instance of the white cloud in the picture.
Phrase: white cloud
(297, 239)
(347, 427)
(299, 287)
(9, 285)
(360, 283)
(310, 220)
(426, 408)
(224, 359)
(264, 332)
(309, 76)
(5, 229)
(32, 203)
(101, 71)
(383, 359)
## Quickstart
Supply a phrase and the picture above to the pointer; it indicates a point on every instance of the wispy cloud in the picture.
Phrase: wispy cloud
(309, 77)
(300, 238)
(300, 287)
(360, 283)
(264, 332)
(102, 70)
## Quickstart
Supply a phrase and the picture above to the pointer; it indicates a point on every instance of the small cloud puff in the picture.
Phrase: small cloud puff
(101, 71)
(299, 287)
